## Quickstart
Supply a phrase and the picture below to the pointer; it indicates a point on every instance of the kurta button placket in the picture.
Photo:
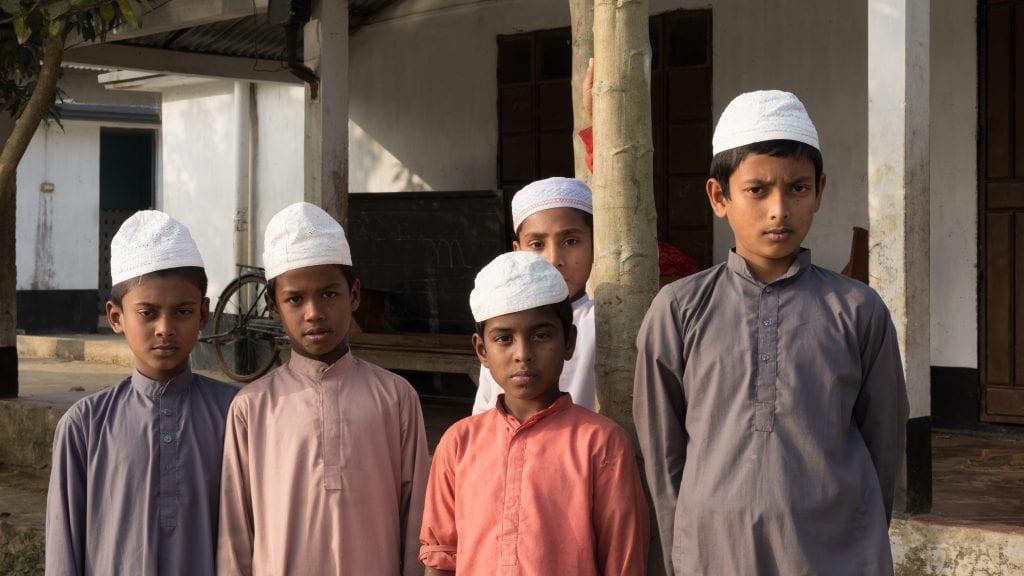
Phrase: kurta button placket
(168, 398)
(767, 370)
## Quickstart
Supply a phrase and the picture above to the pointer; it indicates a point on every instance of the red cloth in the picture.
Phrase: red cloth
(672, 262)
(587, 136)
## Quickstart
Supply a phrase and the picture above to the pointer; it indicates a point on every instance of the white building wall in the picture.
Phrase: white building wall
(199, 172)
(58, 232)
(954, 184)
(279, 135)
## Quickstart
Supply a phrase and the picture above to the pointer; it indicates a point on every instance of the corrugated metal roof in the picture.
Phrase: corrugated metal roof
(249, 37)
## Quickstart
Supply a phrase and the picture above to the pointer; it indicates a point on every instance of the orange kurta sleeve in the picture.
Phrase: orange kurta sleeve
(235, 535)
(621, 517)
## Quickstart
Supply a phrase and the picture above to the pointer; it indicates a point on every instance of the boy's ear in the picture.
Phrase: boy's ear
(481, 350)
(354, 295)
(114, 317)
(204, 312)
(570, 343)
(716, 196)
(271, 306)
(515, 245)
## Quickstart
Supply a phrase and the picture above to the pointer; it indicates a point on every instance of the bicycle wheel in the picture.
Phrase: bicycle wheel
(245, 343)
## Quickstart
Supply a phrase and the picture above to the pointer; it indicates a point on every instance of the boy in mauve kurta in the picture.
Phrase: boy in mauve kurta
(536, 485)
(769, 397)
(136, 467)
(325, 457)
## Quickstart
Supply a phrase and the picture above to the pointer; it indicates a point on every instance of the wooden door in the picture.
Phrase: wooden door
(1001, 209)
(535, 119)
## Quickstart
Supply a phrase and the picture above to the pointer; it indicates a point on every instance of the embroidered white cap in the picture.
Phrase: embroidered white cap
(513, 282)
(150, 241)
(303, 235)
(550, 193)
(760, 116)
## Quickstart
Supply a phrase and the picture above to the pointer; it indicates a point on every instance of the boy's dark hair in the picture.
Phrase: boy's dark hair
(588, 219)
(725, 163)
(193, 274)
(561, 309)
(347, 271)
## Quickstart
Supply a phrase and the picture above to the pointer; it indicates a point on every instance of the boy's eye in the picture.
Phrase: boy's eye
(185, 311)
(293, 299)
(542, 335)
(503, 339)
(572, 241)
(535, 245)
(756, 190)
(801, 188)
(147, 313)
(329, 294)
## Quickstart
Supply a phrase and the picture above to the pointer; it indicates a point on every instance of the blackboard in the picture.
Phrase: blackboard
(424, 250)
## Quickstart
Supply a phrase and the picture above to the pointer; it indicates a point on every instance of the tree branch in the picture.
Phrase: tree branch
(32, 115)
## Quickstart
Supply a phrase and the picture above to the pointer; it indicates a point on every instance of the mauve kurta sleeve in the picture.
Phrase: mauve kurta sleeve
(235, 537)
(66, 500)
(415, 470)
(621, 520)
(659, 411)
(439, 538)
(882, 407)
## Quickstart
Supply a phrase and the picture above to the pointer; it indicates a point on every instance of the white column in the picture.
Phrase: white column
(898, 209)
(325, 47)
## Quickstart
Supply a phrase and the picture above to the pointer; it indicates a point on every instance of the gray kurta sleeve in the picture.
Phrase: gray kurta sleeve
(659, 411)
(66, 500)
(882, 407)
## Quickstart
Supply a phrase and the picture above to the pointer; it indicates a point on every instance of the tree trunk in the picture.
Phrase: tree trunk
(14, 148)
(625, 275)
(582, 17)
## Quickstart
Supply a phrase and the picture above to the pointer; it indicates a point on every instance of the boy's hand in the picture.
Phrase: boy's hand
(588, 87)
(435, 572)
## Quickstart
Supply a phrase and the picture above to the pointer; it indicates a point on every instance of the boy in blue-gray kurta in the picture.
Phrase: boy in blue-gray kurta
(769, 398)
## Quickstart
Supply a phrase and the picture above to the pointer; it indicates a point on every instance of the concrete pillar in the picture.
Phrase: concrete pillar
(898, 211)
(325, 48)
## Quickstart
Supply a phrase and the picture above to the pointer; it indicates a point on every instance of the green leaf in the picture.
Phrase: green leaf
(128, 11)
(22, 31)
(56, 27)
(108, 12)
(10, 6)
(57, 9)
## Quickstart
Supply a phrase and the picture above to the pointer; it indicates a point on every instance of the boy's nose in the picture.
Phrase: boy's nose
(314, 312)
(164, 327)
(524, 353)
(778, 206)
(554, 256)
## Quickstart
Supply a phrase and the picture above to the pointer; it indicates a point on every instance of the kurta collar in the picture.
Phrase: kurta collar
(562, 404)
(737, 264)
(581, 302)
(153, 389)
(316, 369)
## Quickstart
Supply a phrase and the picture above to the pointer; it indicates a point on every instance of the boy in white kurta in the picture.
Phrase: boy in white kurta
(554, 218)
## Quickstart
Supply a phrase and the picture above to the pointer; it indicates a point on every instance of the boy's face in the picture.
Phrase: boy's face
(772, 202)
(562, 237)
(525, 351)
(315, 306)
(161, 318)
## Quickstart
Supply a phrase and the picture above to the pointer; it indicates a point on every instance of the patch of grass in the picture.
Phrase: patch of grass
(24, 561)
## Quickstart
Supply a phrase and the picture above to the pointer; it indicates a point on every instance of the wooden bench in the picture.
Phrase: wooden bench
(418, 351)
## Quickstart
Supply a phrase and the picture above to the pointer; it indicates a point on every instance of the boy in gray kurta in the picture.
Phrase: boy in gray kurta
(769, 397)
(135, 481)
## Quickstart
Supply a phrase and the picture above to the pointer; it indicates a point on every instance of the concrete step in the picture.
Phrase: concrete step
(100, 348)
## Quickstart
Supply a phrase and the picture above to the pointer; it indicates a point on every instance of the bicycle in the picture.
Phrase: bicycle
(246, 340)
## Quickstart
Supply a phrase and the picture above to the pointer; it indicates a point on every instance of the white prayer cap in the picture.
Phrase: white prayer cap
(303, 235)
(550, 193)
(760, 116)
(150, 241)
(513, 282)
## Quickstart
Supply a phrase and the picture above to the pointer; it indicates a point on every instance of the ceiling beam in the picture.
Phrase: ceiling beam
(180, 63)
